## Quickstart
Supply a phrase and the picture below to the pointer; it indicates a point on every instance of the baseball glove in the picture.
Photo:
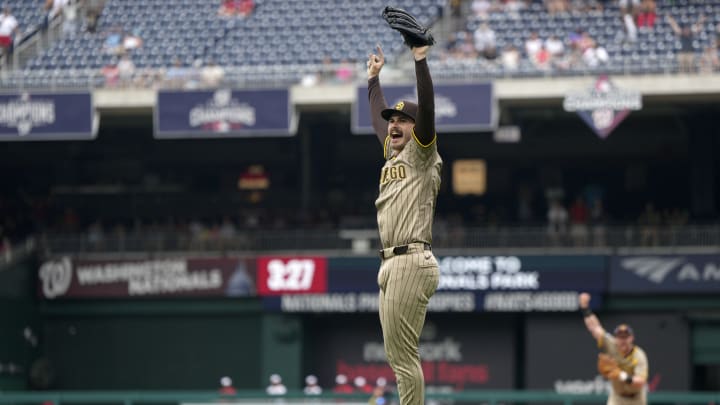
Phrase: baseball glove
(608, 367)
(414, 34)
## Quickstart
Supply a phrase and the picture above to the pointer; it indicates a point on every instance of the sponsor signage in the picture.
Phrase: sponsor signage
(458, 107)
(467, 284)
(699, 273)
(603, 106)
(455, 355)
(291, 275)
(30, 116)
(223, 113)
(67, 278)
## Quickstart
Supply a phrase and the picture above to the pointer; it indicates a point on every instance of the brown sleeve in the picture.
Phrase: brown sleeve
(377, 104)
(425, 124)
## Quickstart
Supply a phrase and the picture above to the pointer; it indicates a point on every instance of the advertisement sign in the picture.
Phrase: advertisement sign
(458, 107)
(467, 284)
(692, 273)
(603, 106)
(571, 367)
(456, 354)
(223, 113)
(202, 277)
(291, 275)
(30, 116)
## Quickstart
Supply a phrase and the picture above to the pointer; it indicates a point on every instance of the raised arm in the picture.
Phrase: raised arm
(592, 323)
(674, 25)
(375, 95)
(425, 124)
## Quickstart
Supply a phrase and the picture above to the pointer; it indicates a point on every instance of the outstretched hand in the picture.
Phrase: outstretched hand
(584, 300)
(375, 62)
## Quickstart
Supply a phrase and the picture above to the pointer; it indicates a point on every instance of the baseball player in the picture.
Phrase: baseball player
(622, 362)
(409, 184)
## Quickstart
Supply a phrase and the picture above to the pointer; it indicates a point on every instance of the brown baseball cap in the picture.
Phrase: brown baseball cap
(404, 107)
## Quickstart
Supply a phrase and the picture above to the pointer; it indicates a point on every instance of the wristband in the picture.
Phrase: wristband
(586, 312)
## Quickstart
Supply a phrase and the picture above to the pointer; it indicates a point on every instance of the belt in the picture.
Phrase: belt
(628, 395)
(403, 249)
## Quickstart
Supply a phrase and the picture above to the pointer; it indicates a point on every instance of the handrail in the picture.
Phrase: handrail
(705, 237)
(244, 396)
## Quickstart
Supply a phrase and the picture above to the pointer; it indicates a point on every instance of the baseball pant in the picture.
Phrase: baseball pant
(406, 284)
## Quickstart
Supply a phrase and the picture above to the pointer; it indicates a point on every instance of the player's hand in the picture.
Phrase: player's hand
(584, 300)
(420, 53)
(375, 62)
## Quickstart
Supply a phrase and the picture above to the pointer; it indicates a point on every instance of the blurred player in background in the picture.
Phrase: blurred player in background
(409, 184)
(621, 361)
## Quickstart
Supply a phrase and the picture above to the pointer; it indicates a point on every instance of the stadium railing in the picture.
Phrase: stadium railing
(259, 397)
(365, 241)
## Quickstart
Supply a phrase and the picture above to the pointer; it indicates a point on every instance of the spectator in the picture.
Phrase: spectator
(466, 47)
(709, 61)
(628, 6)
(557, 217)
(597, 222)
(686, 35)
(113, 44)
(176, 75)
(555, 46)
(510, 58)
(541, 58)
(646, 15)
(52, 8)
(212, 75)
(361, 385)
(311, 386)
(132, 41)
(579, 216)
(226, 386)
(556, 6)
(93, 10)
(341, 385)
(111, 74)
(126, 70)
(484, 38)
(70, 16)
(595, 56)
(245, 8)
(276, 386)
(630, 27)
(9, 31)
(344, 72)
(514, 7)
(649, 226)
(533, 45)
(480, 9)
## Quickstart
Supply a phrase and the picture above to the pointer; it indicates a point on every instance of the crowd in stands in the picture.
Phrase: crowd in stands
(475, 35)
(578, 48)
(578, 221)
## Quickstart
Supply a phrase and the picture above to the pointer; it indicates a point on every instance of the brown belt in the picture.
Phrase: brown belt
(628, 395)
(402, 249)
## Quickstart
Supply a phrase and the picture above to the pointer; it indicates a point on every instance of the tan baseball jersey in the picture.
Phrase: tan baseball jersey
(409, 184)
(635, 363)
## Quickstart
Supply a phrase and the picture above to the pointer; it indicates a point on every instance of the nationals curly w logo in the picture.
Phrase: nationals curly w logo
(55, 277)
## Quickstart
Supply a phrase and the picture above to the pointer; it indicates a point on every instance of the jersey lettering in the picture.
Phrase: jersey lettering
(392, 173)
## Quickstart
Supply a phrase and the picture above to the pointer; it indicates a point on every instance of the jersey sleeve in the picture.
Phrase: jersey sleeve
(641, 368)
